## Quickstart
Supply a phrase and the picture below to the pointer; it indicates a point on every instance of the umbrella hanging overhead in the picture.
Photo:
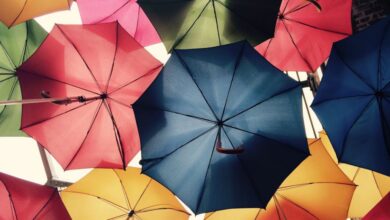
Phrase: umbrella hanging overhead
(20, 199)
(316, 189)
(13, 12)
(16, 45)
(381, 210)
(304, 36)
(90, 75)
(128, 13)
(118, 194)
(205, 23)
(353, 100)
(371, 187)
(221, 127)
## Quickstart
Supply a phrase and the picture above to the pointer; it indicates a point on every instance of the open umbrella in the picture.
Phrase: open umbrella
(16, 45)
(221, 127)
(304, 35)
(205, 23)
(316, 189)
(380, 211)
(14, 12)
(118, 194)
(82, 81)
(371, 187)
(20, 199)
(353, 100)
(127, 12)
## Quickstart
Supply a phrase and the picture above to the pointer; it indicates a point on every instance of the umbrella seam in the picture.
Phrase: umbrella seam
(376, 183)
(158, 209)
(9, 95)
(143, 192)
(297, 8)
(266, 49)
(282, 188)
(279, 209)
(19, 14)
(11, 199)
(336, 98)
(216, 22)
(23, 57)
(380, 56)
(123, 190)
(46, 203)
(111, 14)
(7, 55)
(307, 211)
(317, 28)
(123, 209)
(113, 60)
(137, 24)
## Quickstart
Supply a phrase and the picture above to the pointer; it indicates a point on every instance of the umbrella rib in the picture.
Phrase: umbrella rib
(8, 57)
(297, 8)
(257, 215)
(137, 24)
(12, 76)
(158, 209)
(99, 198)
(113, 60)
(339, 98)
(22, 58)
(179, 40)
(123, 190)
(356, 173)
(231, 81)
(307, 211)
(353, 124)
(376, 183)
(285, 7)
(271, 139)
(9, 72)
(266, 49)
(108, 16)
(86, 135)
(192, 77)
(52, 117)
(380, 56)
(46, 203)
(317, 28)
(385, 126)
(311, 183)
(9, 96)
(119, 216)
(296, 47)
(56, 80)
(216, 22)
(11, 200)
(82, 58)
(134, 80)
(142, 194)
(279, 208)
(262, 101)
(183, 145)
(19, 14)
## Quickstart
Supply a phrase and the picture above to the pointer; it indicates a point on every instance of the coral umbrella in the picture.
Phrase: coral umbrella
(89, 75)
(187, 24)
(128, 13)
(16, 45)
(371, 187)
(216, 125)
(13, 12)
(118, 194)
(353, 99)
(316, 189)
(20, 199)
(304, 35)
(380, 211)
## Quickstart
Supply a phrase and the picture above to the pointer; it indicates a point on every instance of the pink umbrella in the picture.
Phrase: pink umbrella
(127, 12)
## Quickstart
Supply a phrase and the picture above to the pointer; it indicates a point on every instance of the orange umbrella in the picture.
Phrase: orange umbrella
(371, 186)
(317, 189)
(13, 12)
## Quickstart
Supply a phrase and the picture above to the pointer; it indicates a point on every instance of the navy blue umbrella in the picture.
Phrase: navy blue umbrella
(353, 101)
(221, 127)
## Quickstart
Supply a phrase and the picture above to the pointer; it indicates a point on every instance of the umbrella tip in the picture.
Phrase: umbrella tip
(103, 96)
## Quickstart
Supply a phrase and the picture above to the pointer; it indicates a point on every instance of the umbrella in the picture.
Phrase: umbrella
(381, 210)
(20, 199)
(16, 45)
(118, 194)
(205, 23)
(316, 189)
(221, 127)
(353, 100)
(127, 12)
(89, 75)
(371, 187)
(14, 12)
(304, 36)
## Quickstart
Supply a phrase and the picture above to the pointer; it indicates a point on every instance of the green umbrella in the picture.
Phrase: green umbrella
(16, 45)
(186, 24)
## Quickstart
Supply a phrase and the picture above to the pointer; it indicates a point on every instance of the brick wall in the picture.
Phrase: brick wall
(366, 12)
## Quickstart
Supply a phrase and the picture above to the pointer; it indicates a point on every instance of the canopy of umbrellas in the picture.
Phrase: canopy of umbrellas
(219, 125)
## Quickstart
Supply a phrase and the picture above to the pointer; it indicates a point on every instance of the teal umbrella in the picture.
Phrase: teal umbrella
(16, 45)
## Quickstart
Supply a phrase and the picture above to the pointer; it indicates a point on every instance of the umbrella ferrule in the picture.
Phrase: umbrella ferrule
(131, 213)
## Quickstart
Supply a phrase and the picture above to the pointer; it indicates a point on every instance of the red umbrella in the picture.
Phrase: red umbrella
(20, 199)
(126, 12)
(90, 75)
(305, 31)
(380, 211)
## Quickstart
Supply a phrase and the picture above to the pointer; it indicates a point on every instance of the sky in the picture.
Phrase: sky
(20, 156)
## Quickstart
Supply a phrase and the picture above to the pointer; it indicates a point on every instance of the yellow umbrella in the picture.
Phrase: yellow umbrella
(13, 12)
(371, 186)
(316, 189)
(119, 194)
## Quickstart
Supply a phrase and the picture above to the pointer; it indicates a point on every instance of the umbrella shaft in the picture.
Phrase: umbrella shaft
(60, 101)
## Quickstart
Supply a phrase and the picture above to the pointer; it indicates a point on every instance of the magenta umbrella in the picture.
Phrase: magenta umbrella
(127, 12)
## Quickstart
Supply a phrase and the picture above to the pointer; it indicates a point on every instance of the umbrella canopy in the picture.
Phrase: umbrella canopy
(127, 12)
(118, 194)
(353, 100)
(17, 11)
(221, 127)
(371, 187)
(16, 45)
(304, 35)
(97, 71)
(309, 193)
(205, 23)
(20, 199)
(381, 210)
